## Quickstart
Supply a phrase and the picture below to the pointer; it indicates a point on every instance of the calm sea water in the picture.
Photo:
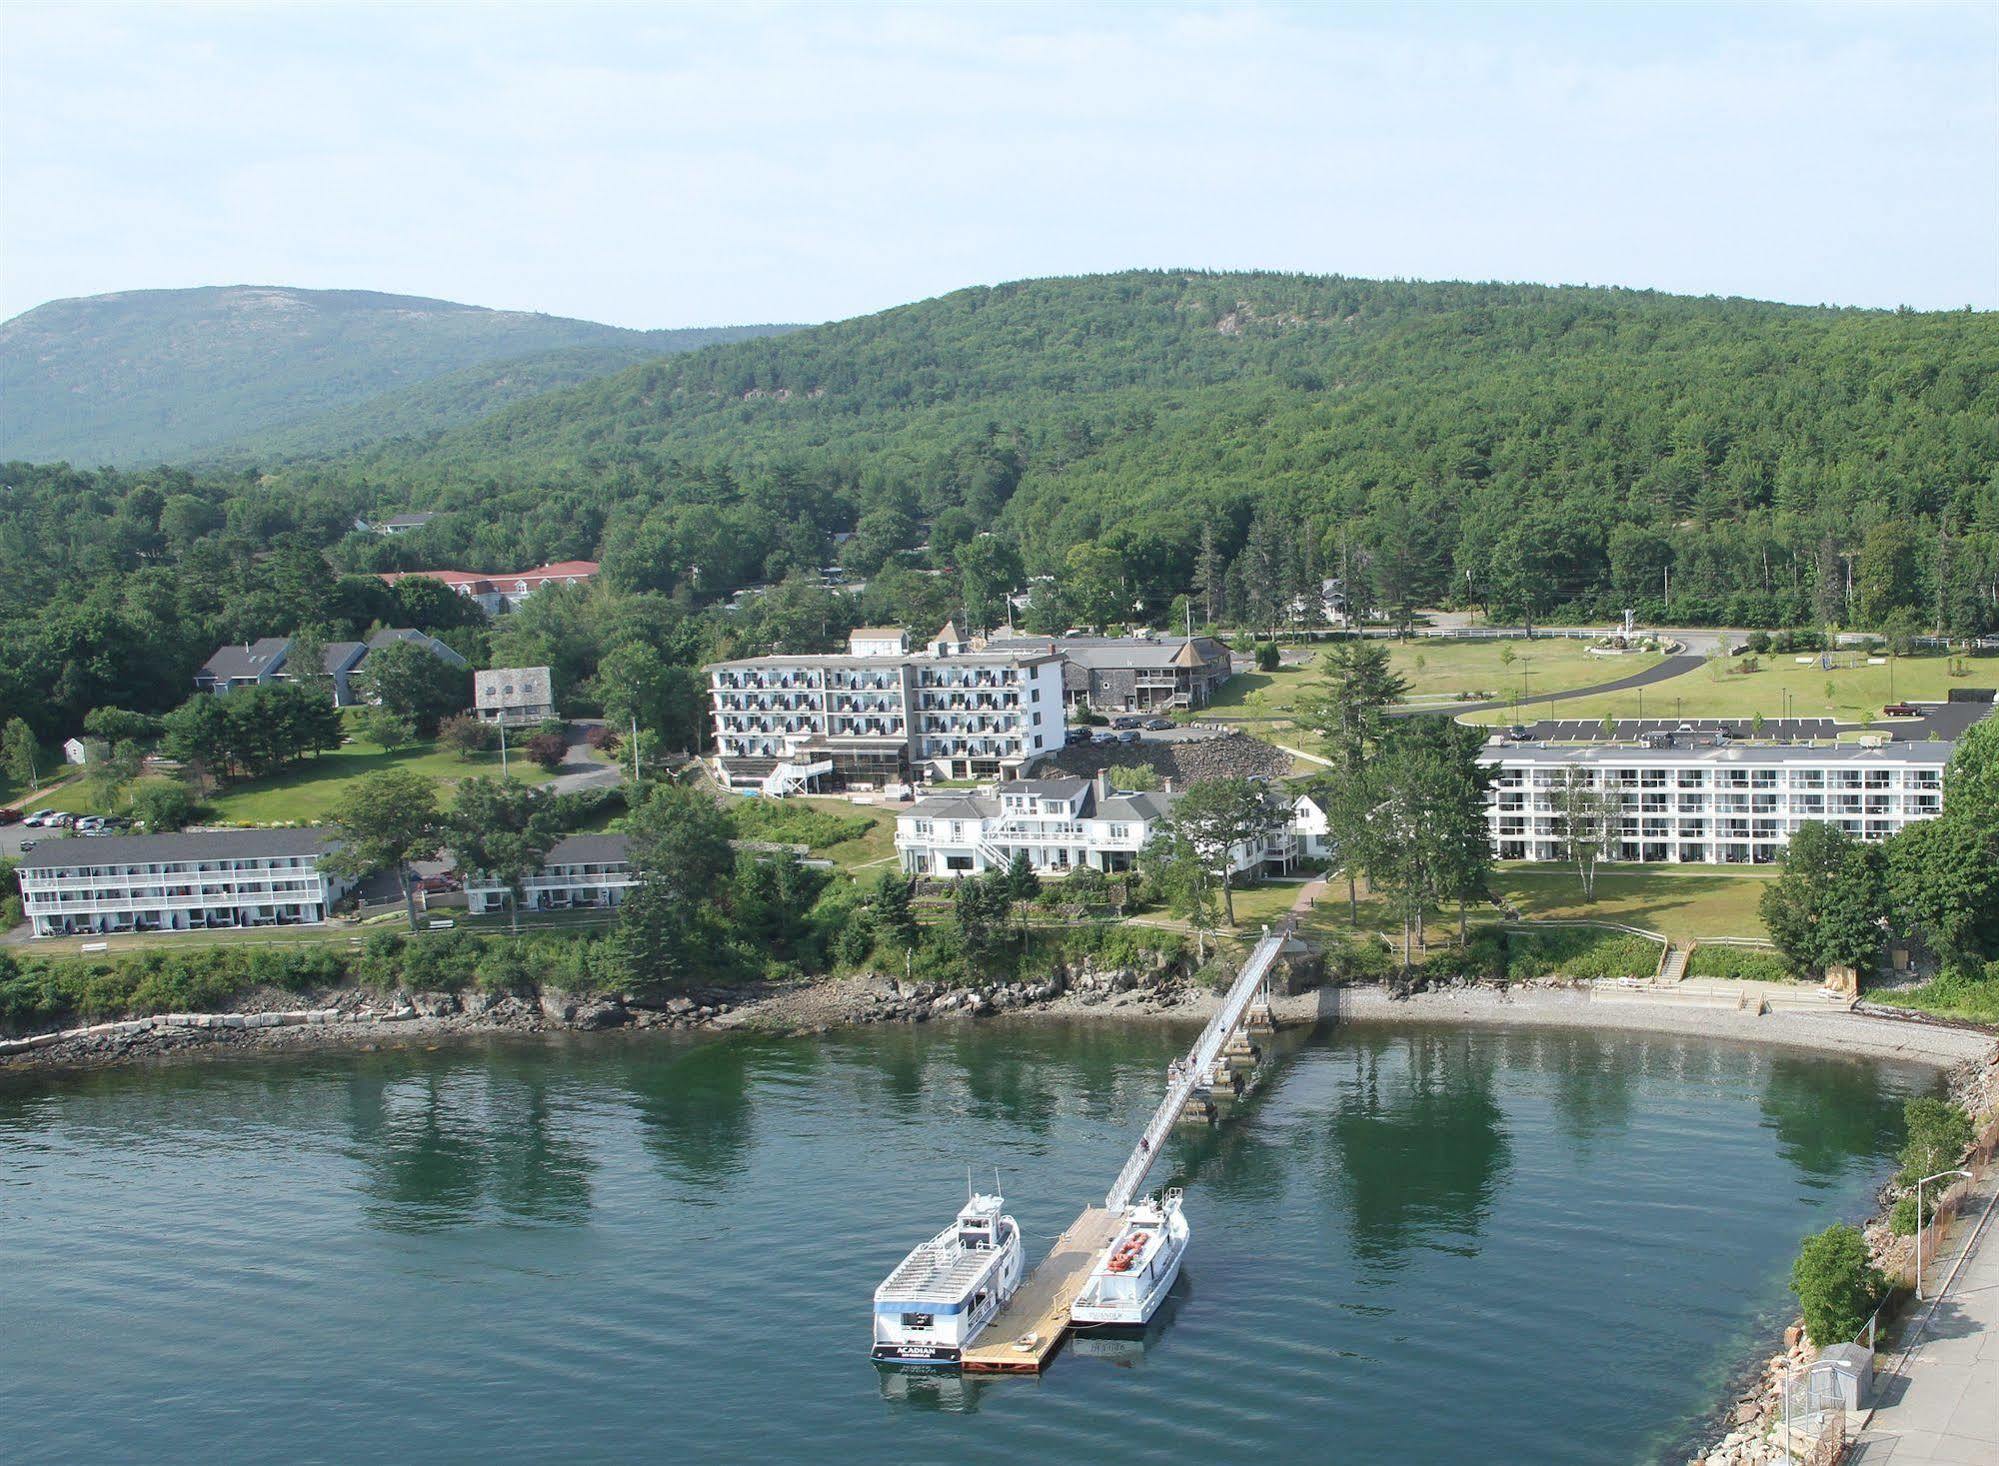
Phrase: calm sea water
(1415, 1244)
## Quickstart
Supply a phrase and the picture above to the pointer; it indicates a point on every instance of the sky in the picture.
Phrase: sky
(684, 165)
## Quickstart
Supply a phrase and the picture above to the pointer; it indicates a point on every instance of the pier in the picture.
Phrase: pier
(1025, 1334)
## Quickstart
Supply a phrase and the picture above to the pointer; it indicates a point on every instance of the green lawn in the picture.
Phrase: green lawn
(1852, 694)
(1436, 671)
(1684, 901)
(1679, 900)
(1442, 669)
(306, 793)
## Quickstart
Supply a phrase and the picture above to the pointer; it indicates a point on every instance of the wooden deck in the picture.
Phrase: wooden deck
(1039, 1311)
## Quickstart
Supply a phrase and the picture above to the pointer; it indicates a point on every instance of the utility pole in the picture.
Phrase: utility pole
(1667, 572)
(503, 745)
(635, 751)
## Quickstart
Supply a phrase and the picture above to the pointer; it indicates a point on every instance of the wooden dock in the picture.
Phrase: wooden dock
(1025, 1334)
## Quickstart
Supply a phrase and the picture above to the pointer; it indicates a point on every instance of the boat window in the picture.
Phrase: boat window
(916, 1320)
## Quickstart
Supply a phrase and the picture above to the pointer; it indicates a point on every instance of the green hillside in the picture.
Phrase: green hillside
(1564, 446)
(223, 372)
(1128, 440)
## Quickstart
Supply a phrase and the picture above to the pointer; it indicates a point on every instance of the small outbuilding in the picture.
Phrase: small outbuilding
(84, 751)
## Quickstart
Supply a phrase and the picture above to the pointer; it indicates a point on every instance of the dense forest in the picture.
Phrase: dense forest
(240, 373)
(1540, 450)
(1128, 440)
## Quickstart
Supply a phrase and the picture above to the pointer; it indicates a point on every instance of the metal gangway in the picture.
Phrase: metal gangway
(1193, 1071)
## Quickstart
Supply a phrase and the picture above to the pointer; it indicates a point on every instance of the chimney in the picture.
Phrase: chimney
(1169, 784)
(1103, 784)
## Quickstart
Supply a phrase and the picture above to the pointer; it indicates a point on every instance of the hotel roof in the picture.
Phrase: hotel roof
(79, 850)
(1930, 753)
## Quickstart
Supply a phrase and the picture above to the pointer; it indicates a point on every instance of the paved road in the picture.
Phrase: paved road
(1940, 1403)
(1671, 667)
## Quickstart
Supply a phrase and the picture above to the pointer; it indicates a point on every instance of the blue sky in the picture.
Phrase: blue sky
(698, 165)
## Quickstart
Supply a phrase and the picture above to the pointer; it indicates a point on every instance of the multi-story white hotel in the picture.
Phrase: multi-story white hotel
(1737, 804)
(192, 882)
(580, 872)
(1065, 824)
(882, 713)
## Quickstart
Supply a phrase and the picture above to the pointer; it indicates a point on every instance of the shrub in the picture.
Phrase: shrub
(1267, 656)
(1133, 778)
(1357, 959)
(163, 808)
(1579, 953)
(467, 736)
(1836, 1284)
(548, 749)
(1939, 1133)
(781, 822)
(601, 736)
(1739, 964)
(1759, 642)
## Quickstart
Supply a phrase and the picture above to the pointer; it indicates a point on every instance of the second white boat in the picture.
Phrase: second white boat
(1132, 1275)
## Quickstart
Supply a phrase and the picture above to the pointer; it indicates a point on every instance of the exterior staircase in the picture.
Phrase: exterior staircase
(1673, 962)
(794, 778)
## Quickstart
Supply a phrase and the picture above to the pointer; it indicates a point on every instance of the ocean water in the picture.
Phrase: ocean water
(1412, 1244)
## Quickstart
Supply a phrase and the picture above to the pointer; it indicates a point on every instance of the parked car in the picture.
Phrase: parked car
(27, 845)
(1902, 710)
(1157, 723)
(35, 819)
(438, 884)
(1520, 733)
(1127, 721)
(1103, 735)
(1078, 735)
(1129, 735)
(10, 816)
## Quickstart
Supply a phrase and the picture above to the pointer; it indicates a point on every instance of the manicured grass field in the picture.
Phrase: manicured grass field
(1443, 669)
(305, 794)
(1437, 672)
(1678, 900)
(1850, 694)
(1683, 901)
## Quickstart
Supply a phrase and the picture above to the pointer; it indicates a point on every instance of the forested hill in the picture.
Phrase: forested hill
(231, 372)
(1438, 435)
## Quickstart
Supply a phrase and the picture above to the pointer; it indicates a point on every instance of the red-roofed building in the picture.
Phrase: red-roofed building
(493, 592)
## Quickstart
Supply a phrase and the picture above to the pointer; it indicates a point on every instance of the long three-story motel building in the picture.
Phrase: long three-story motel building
(1732, 805)
(883, 713)
(202, 881)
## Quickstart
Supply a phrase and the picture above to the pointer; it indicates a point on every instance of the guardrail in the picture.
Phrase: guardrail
(1200, 1061)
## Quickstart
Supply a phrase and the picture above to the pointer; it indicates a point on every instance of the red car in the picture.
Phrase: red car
(438, 885)
(10, 816)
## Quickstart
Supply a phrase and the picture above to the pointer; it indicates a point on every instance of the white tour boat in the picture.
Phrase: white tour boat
(937, 1300)
(1132, 1275)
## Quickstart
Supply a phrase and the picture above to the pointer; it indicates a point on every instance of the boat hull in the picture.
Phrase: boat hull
(1132, 1307)
(931, 1356)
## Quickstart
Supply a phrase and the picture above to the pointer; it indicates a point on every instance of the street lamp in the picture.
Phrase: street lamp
(1919, 1222)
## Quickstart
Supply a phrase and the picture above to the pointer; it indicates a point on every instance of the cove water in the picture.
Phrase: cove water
(1413, 1244)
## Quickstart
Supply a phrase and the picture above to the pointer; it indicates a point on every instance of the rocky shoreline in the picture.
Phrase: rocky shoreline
(1163, 990)
(1755, 1419)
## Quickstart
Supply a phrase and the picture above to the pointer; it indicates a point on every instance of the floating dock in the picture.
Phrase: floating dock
(1025, 1334)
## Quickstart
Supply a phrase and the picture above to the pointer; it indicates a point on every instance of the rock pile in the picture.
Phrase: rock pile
(1231, 754)
(1757, 1421)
